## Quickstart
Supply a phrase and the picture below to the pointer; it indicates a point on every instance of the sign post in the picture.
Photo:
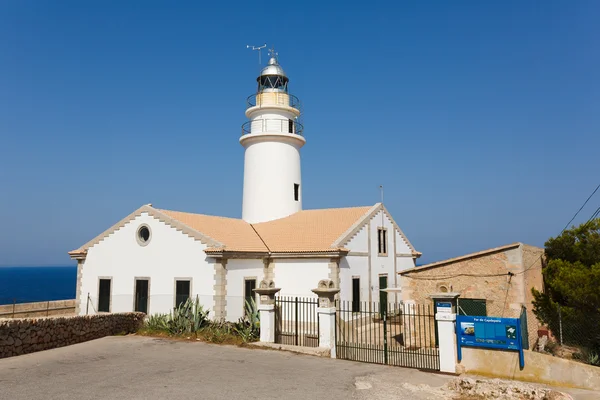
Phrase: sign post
(489, 332)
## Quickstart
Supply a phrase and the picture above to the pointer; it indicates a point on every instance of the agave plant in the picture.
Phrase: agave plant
(188, 317)
(157, 322)
(248, 327)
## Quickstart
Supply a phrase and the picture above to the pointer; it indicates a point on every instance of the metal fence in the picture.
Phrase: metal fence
(388, 333)
(296, 321)
(573, 333)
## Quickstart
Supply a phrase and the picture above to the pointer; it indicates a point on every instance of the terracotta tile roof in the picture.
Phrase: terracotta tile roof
(309, 230)
(304, 231)
(234, 234)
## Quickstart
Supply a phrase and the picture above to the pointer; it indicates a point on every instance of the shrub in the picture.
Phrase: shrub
(248, 327)
(157, 322)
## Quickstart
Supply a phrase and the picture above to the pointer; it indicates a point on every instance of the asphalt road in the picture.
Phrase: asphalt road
(136, 367)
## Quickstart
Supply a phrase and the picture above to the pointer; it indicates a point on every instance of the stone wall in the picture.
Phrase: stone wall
(22, 336)
(38, 309)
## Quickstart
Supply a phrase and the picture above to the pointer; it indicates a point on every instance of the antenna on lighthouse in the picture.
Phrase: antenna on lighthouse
(259, 48)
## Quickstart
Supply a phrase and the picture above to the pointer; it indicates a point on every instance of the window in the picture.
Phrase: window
(249, 295)
(290, 126)
(472, 307)
(104, 295)
(382, 241)
(182, 292)
(296, 191)
(141, 295)
(143, 235)
(355, 294)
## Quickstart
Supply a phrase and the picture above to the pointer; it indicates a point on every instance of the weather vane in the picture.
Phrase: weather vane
(272, 52)
(259, 48)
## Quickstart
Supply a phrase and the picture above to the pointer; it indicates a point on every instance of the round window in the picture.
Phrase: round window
(143, 235)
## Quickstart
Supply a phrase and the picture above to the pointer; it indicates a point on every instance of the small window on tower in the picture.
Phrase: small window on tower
(290, 126)
(296, 191)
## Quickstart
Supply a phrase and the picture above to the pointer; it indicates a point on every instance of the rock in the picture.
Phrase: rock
(18, 342)
(10, 341)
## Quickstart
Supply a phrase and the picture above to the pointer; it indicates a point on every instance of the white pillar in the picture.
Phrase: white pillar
(327, 328)
(267, 322)
(446, 323)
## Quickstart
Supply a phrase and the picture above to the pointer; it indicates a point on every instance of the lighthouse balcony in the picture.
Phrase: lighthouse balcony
(278, 126)
(273, 99)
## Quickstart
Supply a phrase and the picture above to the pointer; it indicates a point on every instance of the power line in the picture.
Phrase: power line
(594, 215)
(578, 211)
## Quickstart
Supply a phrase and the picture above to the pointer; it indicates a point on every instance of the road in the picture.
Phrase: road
(136, 367)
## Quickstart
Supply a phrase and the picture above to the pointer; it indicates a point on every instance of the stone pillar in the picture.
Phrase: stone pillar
(220, 289)
(445, 318)
(266, 308)
(326, 313)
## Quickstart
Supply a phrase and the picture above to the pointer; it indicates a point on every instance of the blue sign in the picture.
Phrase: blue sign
(443, 304)
(490, 332)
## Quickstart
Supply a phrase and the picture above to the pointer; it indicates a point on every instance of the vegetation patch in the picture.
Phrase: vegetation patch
(570, 305)
(190, 321)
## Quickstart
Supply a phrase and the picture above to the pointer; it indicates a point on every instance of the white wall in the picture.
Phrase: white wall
(237, 271)
(350, 267)
(381, 265)
(296, 277)
(401, 245)
(359, 242)
(168, 255)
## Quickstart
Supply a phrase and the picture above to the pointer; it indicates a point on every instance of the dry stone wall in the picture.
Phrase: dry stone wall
(22, 336)
(38, 309)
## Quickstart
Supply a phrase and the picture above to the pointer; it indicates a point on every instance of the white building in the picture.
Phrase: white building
(153, 259)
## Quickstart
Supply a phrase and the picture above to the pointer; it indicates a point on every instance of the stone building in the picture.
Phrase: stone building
(495, 282)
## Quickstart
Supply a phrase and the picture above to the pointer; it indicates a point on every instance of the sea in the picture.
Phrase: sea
(30, 284)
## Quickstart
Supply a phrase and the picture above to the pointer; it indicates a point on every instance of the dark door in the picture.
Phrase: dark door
(249, 295)
(141, 295)
(104, 296)
(383, 295)
(182, 292)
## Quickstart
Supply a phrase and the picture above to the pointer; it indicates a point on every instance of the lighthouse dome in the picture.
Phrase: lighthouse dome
(272, 78)
(273, 68)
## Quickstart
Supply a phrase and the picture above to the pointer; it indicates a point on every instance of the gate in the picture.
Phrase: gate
(392, 335)
(296, 321)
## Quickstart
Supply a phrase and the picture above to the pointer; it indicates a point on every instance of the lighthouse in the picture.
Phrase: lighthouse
(272, 139)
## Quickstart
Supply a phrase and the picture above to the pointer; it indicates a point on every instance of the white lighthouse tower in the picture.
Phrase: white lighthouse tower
(272, 140)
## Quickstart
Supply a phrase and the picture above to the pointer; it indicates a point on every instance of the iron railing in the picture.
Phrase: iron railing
(296, 321)
(273, 99)
(392, 335)
(272, 125)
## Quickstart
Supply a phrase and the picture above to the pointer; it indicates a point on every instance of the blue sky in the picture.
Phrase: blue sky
(479, 118)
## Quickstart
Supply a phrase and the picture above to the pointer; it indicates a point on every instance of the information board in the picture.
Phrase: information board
(490, 332)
